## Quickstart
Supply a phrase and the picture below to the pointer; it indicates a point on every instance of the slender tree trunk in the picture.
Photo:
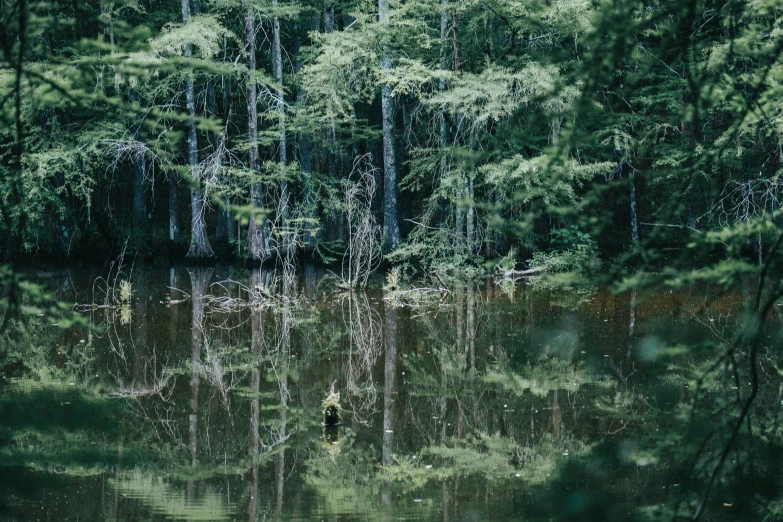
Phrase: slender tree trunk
(256, 232)
(277, 66)
(173, 209)
(221, 227)
(199, 243)
(391, 228)
(333, 223)
(224, 230)
(305, 164)
(329, 17)
(444, 65)
(139, 200)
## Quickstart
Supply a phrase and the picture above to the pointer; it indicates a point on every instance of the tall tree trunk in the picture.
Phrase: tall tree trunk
(173, 209)
(224, 229)
(199, 243)
(139, 163)
(225, 225)
(329, 17)
(256, 232)
(444, 65)
(139, 200)
(305, 162)
(391, 228)
(634, 222)
(333, 223)
(277, 66)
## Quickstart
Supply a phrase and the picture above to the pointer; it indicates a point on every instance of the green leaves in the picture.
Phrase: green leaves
(202, 32)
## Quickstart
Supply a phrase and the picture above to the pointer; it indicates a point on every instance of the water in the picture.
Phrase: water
(485, 404)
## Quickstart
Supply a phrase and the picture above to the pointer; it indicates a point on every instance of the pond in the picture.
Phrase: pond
(199, 394)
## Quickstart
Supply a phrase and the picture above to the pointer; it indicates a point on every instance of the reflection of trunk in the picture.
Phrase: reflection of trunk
(285, 354)
(256, 343)
(557, 421)
(390, 370)
(140, 330)
(445, 501)
(444, 353)
(199, 279)
(634, 223)
(631, 323)
(173, 309)
(257, 334)
(471, 329)
(139, 203)
(256, 232)
(391, 229)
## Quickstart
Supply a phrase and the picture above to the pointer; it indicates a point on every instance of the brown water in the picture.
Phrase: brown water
(189, 403)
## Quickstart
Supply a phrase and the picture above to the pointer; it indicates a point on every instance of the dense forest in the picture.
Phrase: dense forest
(439, 134)
(575, 204)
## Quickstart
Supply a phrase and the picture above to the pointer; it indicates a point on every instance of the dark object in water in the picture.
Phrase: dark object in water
(332, 435)
(331, 416)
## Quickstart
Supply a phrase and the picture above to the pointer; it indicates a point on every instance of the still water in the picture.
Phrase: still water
(198, 394)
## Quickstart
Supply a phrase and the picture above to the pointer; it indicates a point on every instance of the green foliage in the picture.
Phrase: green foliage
(203, 32)
(569, 250)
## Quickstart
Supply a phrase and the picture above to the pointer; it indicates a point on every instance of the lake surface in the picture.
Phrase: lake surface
(201, 398)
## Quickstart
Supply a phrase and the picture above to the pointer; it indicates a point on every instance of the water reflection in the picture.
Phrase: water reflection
(493, 408)
(256, 340)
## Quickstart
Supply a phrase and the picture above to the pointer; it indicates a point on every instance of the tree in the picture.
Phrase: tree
(391, 228)
(257, 234)
(199, 243)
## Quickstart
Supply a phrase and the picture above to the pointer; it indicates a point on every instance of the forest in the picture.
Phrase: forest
(451, 135)
(391, 259)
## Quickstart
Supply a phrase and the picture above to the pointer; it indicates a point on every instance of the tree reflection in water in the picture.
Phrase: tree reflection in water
(546, 407)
